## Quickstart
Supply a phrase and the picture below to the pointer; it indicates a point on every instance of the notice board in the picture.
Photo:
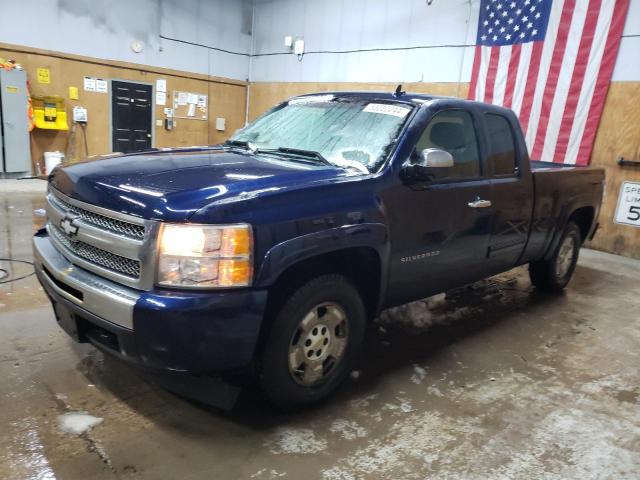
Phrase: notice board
(189, 105)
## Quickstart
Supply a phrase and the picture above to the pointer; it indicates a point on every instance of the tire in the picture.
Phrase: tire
(554, 274)
(321, 327)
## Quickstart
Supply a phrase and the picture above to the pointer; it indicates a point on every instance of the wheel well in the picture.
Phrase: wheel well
(360, 265)
(583, 217)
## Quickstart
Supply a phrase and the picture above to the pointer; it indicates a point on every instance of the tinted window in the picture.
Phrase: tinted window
(453, 131)
(502, 149)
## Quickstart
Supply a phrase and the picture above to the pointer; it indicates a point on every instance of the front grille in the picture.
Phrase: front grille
(108, 260)
(127, 229)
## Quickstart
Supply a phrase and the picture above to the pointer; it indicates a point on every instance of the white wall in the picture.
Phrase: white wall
(106, 28)
(628, 64)
(374, 24)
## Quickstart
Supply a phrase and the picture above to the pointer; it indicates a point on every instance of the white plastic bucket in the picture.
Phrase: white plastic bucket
(51, 159)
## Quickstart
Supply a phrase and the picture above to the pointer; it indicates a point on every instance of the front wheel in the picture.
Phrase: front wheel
(554, 274)
(313, 342)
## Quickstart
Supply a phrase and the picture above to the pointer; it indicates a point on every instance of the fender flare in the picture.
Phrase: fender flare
(284, 255)
(573, 205)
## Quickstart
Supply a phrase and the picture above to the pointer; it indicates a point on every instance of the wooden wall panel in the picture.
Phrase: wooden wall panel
(618, 135)
(226, 99)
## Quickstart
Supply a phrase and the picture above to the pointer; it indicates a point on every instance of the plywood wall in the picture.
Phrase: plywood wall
(226, 99)
(618, 135)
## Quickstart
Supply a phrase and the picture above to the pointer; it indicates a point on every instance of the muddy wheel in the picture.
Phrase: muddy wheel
(554, 274)
(313, 342)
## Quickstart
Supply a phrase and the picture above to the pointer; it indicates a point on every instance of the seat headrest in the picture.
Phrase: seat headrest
(448, 135)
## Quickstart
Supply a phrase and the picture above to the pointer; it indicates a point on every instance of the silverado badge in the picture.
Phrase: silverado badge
(68, 227)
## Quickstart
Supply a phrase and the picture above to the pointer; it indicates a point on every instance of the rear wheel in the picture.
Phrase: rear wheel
(554, 274)
(313, 342)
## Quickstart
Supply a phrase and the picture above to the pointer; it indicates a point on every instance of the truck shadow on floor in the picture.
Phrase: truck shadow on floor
(400, 337)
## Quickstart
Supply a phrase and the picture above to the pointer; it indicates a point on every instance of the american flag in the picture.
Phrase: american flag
(551, 63)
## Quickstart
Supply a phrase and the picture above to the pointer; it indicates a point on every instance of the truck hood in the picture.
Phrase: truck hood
(171, 185)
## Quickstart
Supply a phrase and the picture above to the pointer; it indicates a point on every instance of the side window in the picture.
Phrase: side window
(453, 131)
(502, 148)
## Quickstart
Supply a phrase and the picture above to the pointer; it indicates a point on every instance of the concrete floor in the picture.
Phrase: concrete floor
(498, 381)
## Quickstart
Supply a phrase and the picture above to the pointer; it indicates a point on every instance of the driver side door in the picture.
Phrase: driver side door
(441, 226)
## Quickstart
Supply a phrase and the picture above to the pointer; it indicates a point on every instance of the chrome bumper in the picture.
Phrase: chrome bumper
(99, 296)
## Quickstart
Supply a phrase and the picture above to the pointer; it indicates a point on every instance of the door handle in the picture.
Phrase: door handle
(479, 203)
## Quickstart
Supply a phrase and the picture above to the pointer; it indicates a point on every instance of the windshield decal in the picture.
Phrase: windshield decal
(386, 109)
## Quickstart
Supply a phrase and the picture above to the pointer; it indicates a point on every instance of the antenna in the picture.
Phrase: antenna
(399, 91)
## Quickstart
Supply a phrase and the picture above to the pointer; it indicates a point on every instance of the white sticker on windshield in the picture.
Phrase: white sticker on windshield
(386, 109)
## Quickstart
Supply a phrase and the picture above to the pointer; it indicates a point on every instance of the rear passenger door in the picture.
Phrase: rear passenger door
(511, 193)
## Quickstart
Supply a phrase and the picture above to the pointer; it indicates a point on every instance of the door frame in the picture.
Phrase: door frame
(153, 109)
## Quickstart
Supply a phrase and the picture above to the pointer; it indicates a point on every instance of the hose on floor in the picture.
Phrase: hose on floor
(4, 272)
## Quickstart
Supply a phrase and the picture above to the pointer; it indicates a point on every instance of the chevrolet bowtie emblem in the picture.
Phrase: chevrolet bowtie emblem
(68, 227)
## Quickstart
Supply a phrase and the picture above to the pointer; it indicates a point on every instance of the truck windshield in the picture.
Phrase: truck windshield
(347, 133)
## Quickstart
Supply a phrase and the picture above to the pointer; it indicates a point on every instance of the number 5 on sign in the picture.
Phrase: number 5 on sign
(628, 210)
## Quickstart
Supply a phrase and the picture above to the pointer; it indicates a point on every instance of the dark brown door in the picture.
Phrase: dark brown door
(130, 116)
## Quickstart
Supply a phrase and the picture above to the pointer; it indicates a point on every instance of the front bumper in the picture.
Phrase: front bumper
(167, 330)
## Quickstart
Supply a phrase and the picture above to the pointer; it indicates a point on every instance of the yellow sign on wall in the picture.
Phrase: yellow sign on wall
(73, 93)
(44, 75)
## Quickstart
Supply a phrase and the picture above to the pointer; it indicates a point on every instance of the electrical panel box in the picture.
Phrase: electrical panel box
(15, 148)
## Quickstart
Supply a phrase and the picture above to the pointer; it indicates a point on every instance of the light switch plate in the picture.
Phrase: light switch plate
(220, 124)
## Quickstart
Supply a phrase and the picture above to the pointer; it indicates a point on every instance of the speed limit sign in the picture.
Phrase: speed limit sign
(628, 210)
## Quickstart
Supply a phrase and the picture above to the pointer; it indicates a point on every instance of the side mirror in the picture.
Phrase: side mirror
(431, 162)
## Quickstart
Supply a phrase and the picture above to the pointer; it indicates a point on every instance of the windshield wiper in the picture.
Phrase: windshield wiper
(310, 154)
(242, 144)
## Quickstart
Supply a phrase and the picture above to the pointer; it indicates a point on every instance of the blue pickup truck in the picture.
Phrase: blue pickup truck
(269, 254)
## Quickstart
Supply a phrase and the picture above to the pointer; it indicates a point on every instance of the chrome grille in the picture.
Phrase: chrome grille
(111, 224)
(108, 260)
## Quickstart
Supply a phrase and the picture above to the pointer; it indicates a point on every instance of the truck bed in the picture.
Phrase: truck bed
(558, 187)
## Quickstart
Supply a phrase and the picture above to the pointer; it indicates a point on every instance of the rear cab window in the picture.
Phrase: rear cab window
(502, 160)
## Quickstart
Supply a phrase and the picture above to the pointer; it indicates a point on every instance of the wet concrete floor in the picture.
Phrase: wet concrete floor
(495, 381)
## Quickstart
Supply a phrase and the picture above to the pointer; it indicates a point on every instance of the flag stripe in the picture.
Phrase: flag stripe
(530, 86)
(577, 80)
(552, 79)
(501, 76)
(561, 92)
(557, 7)
(491, 74)
(475, 72)
(600, 92)
(521, 76)
(590, 80)
(482, 78)
(512, 73)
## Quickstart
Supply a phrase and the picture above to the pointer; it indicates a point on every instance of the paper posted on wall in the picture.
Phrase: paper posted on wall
(161, 98)
(89, 84)
(102, 86)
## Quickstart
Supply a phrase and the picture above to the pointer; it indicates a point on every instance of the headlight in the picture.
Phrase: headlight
(205, 255)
